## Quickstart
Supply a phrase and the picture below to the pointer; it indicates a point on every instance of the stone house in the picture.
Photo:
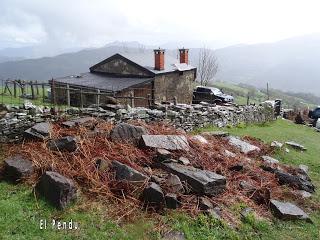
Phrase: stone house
(138, 79)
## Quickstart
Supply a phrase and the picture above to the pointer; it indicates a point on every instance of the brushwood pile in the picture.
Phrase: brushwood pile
(156, 166)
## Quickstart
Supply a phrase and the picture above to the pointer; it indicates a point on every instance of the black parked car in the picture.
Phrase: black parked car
(315, 115)
(210, 95)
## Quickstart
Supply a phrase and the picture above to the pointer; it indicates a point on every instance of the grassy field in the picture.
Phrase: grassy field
(7, 98)
(20, 213)
(256, 96)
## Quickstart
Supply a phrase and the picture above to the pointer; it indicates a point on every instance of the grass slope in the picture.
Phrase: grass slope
(283, 130)
(240, 93)
(20, 214)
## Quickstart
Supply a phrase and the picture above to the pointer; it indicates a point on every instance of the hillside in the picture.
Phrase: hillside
(289, 65)
(289, 100)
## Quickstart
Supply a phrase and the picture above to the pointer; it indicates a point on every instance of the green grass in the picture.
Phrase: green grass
(283, 130)
(6, 98)
(20, 214)
(20, 219)
(256, 96)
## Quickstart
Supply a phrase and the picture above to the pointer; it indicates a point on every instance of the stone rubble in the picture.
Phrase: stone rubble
(56, 189)
(201, 181)
(124, 172)
(168, 142)
(270, 160)
(77, 122)
(276, 144)
(127, 133)
(243, 146)
(174, 184)
(287, 211)
(172, 201)
(67, 143)
(296, 146)
(162, 155)
(17, 167)
(153, 194)
(294, 181)
(39, 131)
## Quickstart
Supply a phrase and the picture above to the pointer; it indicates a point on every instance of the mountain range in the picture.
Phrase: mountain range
(290, 64)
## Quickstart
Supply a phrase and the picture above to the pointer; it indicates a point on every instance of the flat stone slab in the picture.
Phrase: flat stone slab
(270, 160)
(304, 168)
(199, 139)
(216, 134)
(56, 189)
(63, 144)
(227, 153)
(294, 181)
(243, 146)
(39, 131)
(77, 122)
(201, 181)
(17, 167)
(127, 132)
(153, 194)
(162, 155)
(276, 144)
(174, 235)
(168, 142)
(174, 183)
(287, 211)
(172, 201)
(124, 172)
(296, 146)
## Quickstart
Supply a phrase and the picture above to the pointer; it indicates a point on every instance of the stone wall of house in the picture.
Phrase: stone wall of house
(119, 66)
(14, 120)
(175, 84)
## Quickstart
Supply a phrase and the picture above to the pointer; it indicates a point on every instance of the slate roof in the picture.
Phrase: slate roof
(146, 60)
(102, 81)
(106, 82)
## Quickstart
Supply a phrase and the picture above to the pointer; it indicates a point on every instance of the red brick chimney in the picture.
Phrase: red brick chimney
(159, 59)
(184, 58)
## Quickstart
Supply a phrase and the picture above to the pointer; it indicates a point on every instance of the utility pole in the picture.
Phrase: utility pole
(268, 91)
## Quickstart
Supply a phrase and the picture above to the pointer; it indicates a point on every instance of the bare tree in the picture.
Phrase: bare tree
(207, 66)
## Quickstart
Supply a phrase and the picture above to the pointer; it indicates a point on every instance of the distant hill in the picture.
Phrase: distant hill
(58, 66)
(289, 65)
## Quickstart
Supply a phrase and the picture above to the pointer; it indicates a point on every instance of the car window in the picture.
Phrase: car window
(203, 90)
(317, 112)
(217, 91)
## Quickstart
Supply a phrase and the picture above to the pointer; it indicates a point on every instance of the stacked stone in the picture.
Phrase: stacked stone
(182, 116)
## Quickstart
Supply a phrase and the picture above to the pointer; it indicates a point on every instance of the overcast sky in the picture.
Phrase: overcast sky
(85, 23)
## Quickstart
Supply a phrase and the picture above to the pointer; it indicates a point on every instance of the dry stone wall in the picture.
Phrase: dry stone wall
(15, 120)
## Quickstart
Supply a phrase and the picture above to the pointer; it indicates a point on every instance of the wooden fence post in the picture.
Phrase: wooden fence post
(81, 98)
(149, 100)
(53, 92)
(175, 100)
(43, 92)
(68, 95)
(15, 89)
(98, 98)
(32, 90)
(132, 99)
(37, 88)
